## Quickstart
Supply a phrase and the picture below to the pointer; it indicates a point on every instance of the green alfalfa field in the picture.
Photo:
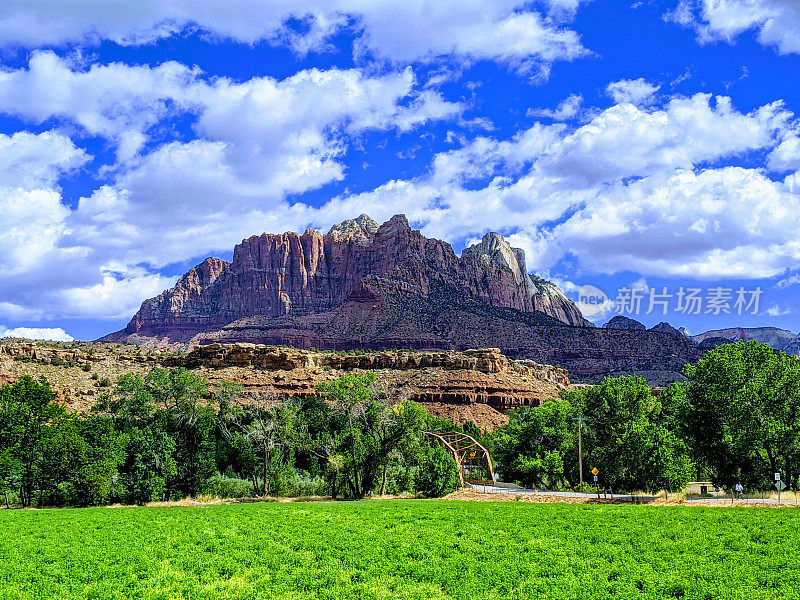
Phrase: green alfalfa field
(401, 549)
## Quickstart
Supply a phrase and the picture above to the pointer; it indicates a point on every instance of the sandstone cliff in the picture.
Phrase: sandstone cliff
(476, 385)
(587, 352)
(292, 275)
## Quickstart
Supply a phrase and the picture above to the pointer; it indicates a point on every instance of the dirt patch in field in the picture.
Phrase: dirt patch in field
(209, 501)
(476, 496)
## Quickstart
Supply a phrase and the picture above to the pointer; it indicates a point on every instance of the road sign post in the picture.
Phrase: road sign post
(595, 472)
(780, 486)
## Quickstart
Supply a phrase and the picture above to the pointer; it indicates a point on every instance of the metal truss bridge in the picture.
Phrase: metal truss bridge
(473, 460)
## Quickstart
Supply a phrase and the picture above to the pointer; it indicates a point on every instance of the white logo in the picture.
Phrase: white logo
(592, 301)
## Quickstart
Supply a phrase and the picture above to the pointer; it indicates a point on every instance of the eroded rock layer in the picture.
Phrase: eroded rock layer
(482, 376)
(587, 352)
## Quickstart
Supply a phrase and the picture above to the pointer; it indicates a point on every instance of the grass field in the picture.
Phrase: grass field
(401, 549)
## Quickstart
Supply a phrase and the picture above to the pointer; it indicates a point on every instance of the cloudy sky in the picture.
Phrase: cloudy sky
(647, 145)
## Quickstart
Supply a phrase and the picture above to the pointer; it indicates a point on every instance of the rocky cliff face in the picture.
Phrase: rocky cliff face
(176, 309)
(276, 358)
(292, 275)
(477, 385)
(587, 352)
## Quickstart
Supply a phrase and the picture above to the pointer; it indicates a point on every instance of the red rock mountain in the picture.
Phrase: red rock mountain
(367, 286)
(297, 275)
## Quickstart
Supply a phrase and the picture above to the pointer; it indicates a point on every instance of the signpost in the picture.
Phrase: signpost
(779, 485)
(595, 472)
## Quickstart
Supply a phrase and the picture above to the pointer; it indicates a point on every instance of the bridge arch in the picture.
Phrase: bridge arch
(473, 460)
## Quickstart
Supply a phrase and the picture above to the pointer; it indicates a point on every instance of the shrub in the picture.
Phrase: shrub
(303, 484)
(223, 486)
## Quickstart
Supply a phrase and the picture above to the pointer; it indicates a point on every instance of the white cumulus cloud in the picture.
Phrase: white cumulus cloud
(567, 109)
(52, 334)
(635, 91)
(776, 22)
(634, 188)
(258, 141)
(503, 30)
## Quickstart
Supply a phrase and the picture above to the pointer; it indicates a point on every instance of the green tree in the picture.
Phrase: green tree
(270, 427)
(80, 461)
(10, 471)
(149, 464)
(178, 389)
(28, 413)
(741, 413)
(624, 439)
(363, 432)
(472, 430)
(537, 446)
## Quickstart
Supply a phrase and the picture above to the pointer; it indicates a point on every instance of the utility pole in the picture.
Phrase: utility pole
(580, 421)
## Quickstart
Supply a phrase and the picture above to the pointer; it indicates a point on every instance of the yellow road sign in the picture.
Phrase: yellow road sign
(595, 471)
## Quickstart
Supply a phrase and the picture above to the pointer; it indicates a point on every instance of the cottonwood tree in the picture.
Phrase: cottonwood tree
(364, 431)
(537, 444)
(740, 410)
(624, 439)
(28, 415)
(175, 403)
(269, 427)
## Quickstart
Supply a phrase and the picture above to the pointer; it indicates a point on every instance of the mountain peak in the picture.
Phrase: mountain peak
(622, 322)
(288, 275)
(495, 250)
(363, 228)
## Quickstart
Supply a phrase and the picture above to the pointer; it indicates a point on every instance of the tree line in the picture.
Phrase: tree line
(170, 434)
(736, 419)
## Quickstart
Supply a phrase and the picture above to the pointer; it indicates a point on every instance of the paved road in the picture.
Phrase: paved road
(743, 500)
(518, 490)
(630, 498)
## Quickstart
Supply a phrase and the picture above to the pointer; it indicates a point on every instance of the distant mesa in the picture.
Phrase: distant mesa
(370, 286)
(780, 339)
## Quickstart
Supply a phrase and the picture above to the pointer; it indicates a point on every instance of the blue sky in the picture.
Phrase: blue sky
(647, 145)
